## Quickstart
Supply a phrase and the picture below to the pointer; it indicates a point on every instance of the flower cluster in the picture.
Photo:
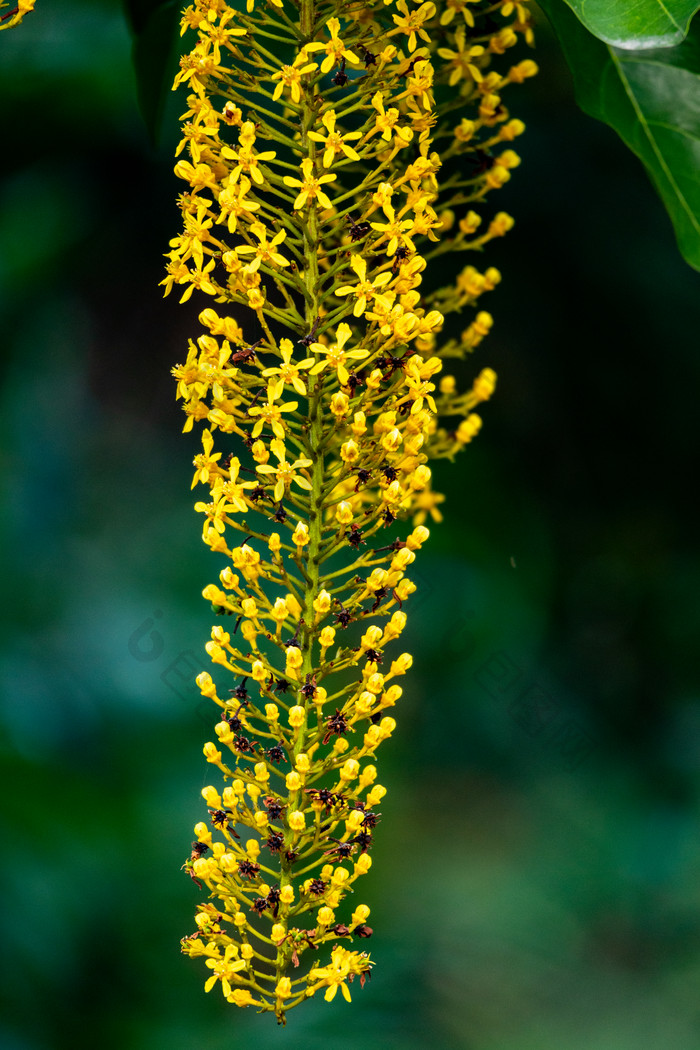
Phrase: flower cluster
(14, 16)
(328, 152)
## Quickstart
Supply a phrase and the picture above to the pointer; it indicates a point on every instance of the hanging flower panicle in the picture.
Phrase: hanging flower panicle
(334, 152)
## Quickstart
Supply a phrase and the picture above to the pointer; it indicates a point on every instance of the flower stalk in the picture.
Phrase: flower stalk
(314, 196)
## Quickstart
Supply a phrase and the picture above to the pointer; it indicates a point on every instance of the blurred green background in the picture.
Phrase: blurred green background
(537, 870)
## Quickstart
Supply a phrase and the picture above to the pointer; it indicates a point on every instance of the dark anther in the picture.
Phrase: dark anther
(256, 494)
(341, 850)
(293, 640)
(363, 840)
(234, 723)
(275, 841)
(358, 230)
(341, 78)
(280, 514)
(354, 537)
(379, 596)
(291, 855)
(243, 744)
(324, 796)
(340, 929)
(248, 870)
(344, 617)
(371, 819)
(389, 472)
(259, 905)
(337, 724)
(276, 753)
(375, 655)
(274, 807)
(363, 476)
(368, 57)
(317, 887)
(218, 817)
(400, 254)
(198, 849)
(308, 689)
(240, 692)
(363, 931)
(307, 340)
(273, 900)
(388, 517)
(281, 685)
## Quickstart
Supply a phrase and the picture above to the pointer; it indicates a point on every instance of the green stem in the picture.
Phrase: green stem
(309, 222)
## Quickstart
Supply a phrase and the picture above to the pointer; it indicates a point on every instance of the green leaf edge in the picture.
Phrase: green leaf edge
(690, 254)
(636, 42)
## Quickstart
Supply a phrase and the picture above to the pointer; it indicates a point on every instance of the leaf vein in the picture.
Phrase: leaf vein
(652, 141)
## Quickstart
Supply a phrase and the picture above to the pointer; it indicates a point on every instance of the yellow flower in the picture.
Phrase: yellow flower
(220, 35)
(196, 67)
(386, 122)
(427, 503)
(452, 7)
(199, 176)
(462, 60)
(234, 490)
(224, 969)
(288, 372)
(264, 251)
(241, 996)
(290, 77)
(310, 186)
(335, 356)
(271, 413)
(333, 142)
(234, 204)
(336, 51)
(246, 160)
(285, 472)
(365, 291)
(412, 23)
(344, 965)
(395, 231)
(205, 462)
(198, 279)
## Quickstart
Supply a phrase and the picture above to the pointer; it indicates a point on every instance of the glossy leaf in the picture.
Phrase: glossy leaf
(154, 25)
(641, 24)
(652, 100)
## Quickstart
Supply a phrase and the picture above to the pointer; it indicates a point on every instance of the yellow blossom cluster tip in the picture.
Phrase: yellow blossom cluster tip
(320, 180)
(18, 9)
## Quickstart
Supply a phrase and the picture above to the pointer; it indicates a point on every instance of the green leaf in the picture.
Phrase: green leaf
(154, 25)
(652, 100)
(637, 24)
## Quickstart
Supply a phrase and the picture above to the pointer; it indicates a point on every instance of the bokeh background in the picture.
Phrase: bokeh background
(537, 870)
